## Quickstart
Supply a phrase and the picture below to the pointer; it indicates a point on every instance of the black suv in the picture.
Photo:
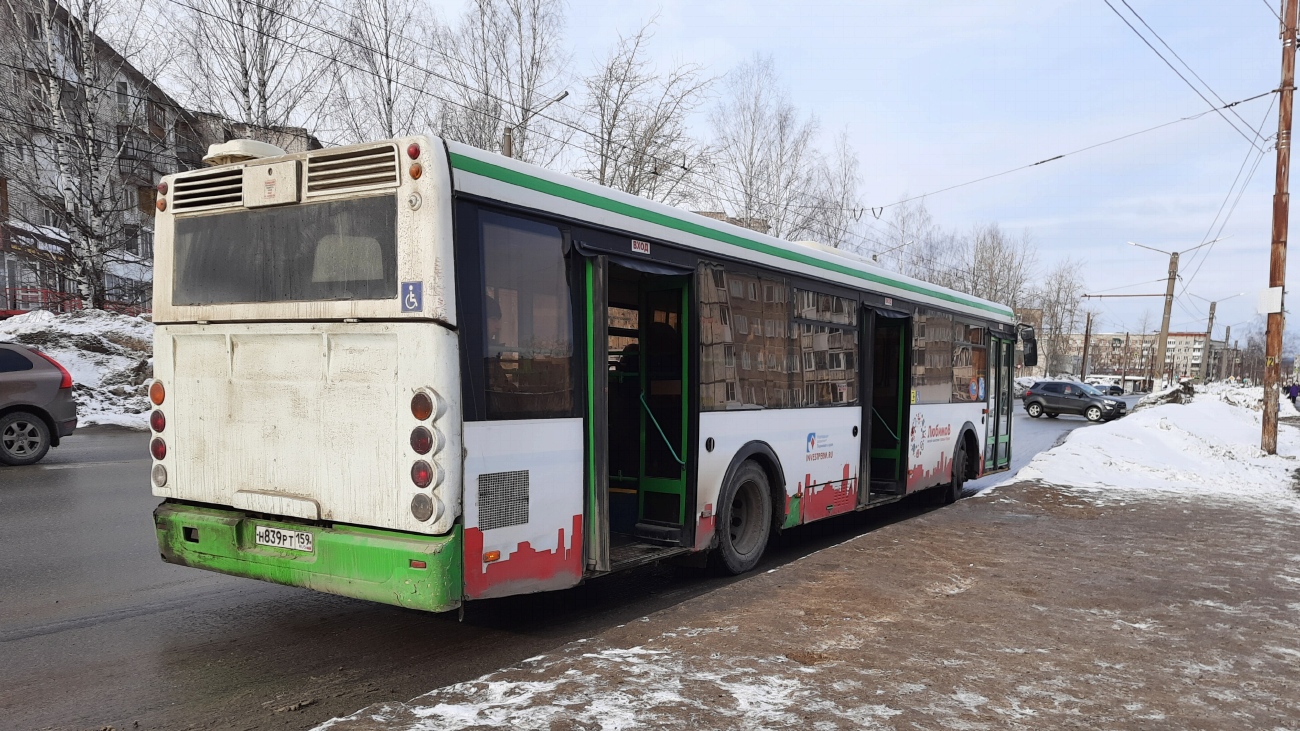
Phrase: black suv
(1067, 397)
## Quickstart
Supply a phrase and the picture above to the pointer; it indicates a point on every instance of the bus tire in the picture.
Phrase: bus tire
(950, 493)
(744, 520)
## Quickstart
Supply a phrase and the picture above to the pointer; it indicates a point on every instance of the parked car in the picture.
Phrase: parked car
(36, 405)
(1110, 390)
(1054, 398)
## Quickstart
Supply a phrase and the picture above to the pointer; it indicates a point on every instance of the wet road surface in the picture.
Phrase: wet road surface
(96, 631)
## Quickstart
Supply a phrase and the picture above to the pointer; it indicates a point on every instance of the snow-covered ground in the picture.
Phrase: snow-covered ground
(110, 357)
(1208, 448)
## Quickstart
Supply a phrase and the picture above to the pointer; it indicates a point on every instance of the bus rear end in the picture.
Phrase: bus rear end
(306, 424)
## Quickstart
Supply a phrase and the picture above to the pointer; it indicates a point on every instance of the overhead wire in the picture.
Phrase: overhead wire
(1113, 140)
(583, 131)
(1205, 254)
(1188, 66)
(1176, 71)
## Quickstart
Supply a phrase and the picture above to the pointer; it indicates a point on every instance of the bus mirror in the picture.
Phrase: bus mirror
(1029, 345)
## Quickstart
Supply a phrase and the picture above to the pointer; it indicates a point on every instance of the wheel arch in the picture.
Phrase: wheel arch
(765, 457)
(40, 413)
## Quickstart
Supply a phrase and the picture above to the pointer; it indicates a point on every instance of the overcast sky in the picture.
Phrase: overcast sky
(939, 93)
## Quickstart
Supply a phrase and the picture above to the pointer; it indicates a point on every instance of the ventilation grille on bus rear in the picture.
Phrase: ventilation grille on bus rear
(502, 499)
(360, 169)
(218, 189)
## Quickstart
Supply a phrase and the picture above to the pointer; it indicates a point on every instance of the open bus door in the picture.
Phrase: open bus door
(997, 448)
(888, 352)
(639, 412)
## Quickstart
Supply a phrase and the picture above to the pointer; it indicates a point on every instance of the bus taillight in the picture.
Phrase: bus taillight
(413, 150)
(157, 421)
(421, 473)
(421, 406)
(158, 448)
(157, 394)
(421, 440)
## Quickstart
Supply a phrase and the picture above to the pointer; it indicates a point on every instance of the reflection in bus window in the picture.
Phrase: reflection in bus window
(527, 320)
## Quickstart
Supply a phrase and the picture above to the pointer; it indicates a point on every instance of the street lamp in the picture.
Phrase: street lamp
(508, 138)
(876, 257)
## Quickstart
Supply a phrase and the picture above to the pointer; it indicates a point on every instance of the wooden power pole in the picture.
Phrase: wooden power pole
(1087, 336)
(1281, 219)
(1163, 341)
(1206, 355)
(1123, 374)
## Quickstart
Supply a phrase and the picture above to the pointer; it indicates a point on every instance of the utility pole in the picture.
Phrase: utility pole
(1226, 353)
(1087, 336)
(1163, 341)
(1206, 357)
(1281, 219)
(1123, 372)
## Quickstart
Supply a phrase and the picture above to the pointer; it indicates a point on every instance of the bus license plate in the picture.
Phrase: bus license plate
(294, 540)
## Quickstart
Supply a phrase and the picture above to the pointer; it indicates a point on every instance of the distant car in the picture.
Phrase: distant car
(1020, 385)
(36, 405)
(1054, 398)
(1110, 390)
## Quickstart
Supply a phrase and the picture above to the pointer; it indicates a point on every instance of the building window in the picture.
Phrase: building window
(146, 199)
(131, 237)
(123, 99)
(157, 119)
(35, 27)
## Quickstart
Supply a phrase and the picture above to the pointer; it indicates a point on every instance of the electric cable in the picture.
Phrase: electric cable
(1176, 71)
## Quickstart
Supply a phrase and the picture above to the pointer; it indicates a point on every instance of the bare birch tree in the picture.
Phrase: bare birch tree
(913, 243)
(504, 62)
(838, 208)
(261, 62)
(1058, 298)
(641, 144)
(382, 84)
(765, 165)
(993, 265)
(84, 136)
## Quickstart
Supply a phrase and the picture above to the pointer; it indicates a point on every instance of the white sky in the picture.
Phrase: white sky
(938, 93)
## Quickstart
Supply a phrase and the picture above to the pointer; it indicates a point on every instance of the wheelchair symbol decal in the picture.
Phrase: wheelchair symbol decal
(412, 296)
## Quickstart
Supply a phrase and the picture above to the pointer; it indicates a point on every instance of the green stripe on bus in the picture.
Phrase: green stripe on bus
(558, 190)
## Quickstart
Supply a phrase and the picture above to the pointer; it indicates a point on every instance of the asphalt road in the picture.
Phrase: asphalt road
(96, 631)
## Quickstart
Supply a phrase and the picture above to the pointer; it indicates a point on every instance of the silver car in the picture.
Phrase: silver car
(36, 404)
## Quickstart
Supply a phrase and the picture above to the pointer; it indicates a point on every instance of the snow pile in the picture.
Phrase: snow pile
(110, 357)
(1248, 397)
(1206, 448)
(1176, 394)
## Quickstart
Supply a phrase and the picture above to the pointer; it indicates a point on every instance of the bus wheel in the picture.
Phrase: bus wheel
(952, 491)
(744, 520)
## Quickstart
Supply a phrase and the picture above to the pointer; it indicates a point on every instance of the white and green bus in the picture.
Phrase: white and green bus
(419, 373)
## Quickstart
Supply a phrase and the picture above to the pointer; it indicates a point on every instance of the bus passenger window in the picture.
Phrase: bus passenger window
(527, 320)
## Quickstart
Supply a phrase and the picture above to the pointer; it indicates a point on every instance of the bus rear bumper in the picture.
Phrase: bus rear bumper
(365, 563)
